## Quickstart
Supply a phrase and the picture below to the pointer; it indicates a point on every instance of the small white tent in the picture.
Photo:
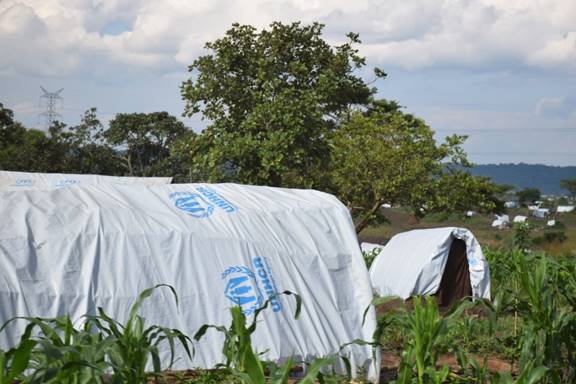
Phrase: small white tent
(11, 181)
(501, 221)
(415, 263)
(520, 219)
(71, 250)
(541, 212)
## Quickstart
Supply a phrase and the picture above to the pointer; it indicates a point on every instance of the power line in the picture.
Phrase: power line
(51, 98)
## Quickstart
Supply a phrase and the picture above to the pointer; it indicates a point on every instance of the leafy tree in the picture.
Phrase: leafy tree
(143, 141)
(272, 97)
(90, 152)
(386, 156)
(22, 149)
(569, 185)
(528, 195)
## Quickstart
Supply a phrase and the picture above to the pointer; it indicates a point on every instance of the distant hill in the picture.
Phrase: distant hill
(545, 178)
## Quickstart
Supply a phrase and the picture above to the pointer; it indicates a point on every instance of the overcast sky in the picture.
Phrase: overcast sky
(501, 71)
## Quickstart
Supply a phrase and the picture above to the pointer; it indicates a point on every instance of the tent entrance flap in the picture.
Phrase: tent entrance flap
(455, 283)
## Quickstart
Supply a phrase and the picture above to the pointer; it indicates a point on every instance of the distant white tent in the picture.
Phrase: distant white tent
(424, 261)
(72, 250)
(18, 181)
(541, 212)
(564, 208)
(501, 221)
(511, 204)
(470, 213)
(520, 219)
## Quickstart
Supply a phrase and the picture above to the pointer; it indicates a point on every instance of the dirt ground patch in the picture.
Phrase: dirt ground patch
(391, 362)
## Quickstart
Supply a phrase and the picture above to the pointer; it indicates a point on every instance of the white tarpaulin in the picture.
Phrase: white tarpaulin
(541, 212)
(412, 263)
(501, 221)
(520, 219)
(11, 181)
(73, 249)
(564, 208)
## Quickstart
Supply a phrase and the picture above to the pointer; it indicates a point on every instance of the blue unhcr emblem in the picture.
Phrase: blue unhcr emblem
(66, 182)
(249, 288)
(242, 289)
(193, 204)
(23, 183)
(202, 202)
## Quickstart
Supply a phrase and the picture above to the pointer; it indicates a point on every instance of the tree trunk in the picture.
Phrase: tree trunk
(365, 220)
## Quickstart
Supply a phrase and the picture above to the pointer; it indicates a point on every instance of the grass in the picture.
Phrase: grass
(401, 221)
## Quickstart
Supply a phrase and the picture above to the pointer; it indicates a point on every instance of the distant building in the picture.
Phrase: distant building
(511, 204)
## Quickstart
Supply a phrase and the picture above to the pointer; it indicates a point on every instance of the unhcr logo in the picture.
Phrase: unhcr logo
(192, 203)
(242, 289)
(249, 288)
(218, 200)
(23, 183)
(201, 203)
(66, 183)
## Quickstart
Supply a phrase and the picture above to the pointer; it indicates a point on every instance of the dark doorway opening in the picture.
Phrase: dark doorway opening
(455, 283)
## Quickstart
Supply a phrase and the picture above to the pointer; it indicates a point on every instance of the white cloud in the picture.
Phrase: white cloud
(556, 107)
(59, 37)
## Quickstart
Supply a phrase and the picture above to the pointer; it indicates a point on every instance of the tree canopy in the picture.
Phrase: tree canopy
(134, 144)
(384, 155)
(144, 140)
(528, 195)
(272, 97)
(570, 186)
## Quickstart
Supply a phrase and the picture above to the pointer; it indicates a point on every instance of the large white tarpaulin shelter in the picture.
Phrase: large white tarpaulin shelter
(415, 263)
(12, 181)
(71, 250)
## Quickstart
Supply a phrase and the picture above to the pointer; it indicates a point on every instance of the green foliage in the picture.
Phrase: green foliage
(135, 144)
(245, 364)
(54, 351)
(78, 149)
(370, 256)
(145, 141)
(386, 156)
(522, 235)
(550, 236)
(426, 329)
(528, 195)
(570, 186)
(272, 97)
